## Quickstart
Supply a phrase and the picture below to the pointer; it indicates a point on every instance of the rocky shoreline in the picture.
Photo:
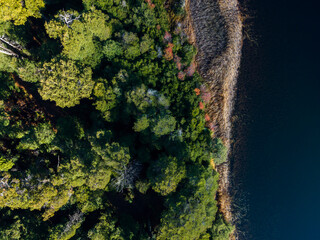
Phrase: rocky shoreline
(215, 28)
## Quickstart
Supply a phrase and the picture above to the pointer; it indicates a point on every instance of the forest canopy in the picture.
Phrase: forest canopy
(103, 132)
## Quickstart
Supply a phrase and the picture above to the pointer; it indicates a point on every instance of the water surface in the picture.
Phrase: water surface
(277, 161)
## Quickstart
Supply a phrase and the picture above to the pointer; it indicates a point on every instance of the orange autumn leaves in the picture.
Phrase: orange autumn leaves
(168, 52)
(198, 93)
(150, 4)
(168, 55)
(205, 96)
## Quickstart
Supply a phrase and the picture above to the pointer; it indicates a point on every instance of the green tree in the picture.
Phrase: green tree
(5, 164)
(141, 124)
(112, 49)
(67, 230)
(164, 125)
(221, 230)
(165, 174)
(114, 155)
(29, 71)
(146, 44)
(220, 152)
(13, 232)
(65, 82)
(18, 11)
(103, 4)
(80, 34)
(106, 229)
(42, 134)
(34, 193)
(106, 99)
(192, 211)
(131, 45)
(142, 186)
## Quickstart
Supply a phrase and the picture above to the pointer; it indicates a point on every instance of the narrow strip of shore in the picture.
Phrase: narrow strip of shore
(215, 28)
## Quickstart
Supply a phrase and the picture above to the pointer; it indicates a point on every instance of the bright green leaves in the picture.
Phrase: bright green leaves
(96, 22)
(134, 47)
(5, 164)
(220, 229)
(79, 34)
(18, 11)
(113, 155)
(106, 229)
(103, 4)
(131, 45)
(154, 107)
(14, 232)
(106, 99)
(41, 134)
(165, 174)
(65, 82)
(144, 99)
(140, 132)
(112, 49)
(141, 124)
(72, 173)
(68, 230)
(191, 212)
(29, 72)
(140, 98)
(220, 152)
(164, 125)
(99, 177)
(31, 193)
(146, 44)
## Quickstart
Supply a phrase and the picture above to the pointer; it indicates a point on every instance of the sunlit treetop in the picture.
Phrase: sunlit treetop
(19, 10)
(79, 33)
(65, 82)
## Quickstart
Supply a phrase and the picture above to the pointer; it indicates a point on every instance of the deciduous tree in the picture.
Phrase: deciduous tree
(165, 174)
(18, 11)
(65, 82)
(80, 37)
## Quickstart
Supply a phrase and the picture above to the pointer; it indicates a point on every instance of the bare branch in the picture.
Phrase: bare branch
(74, 219)
(11, 43)
(126, 176)
(7, 51)
(68, 18)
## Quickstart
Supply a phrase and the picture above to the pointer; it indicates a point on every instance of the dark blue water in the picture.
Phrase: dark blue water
(277, 167)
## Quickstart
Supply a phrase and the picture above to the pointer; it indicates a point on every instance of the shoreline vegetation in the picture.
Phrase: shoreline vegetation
(107, 131)
(219, 44)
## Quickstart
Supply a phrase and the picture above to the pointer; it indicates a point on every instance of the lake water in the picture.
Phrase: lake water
(276, 161)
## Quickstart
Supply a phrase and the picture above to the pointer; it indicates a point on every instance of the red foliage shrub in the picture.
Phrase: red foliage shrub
(177, 60)
(167, 37)
(168, 52)
(212, 126)
(205, 94)
(181, 75)
(207, 118)
(151, 5)
(197, 91)
(201, 106)
(191, 69)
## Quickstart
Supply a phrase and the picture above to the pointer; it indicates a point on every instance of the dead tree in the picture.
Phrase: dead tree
(74, 219)
(68, 18)
(10, 47)
(126, 176)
